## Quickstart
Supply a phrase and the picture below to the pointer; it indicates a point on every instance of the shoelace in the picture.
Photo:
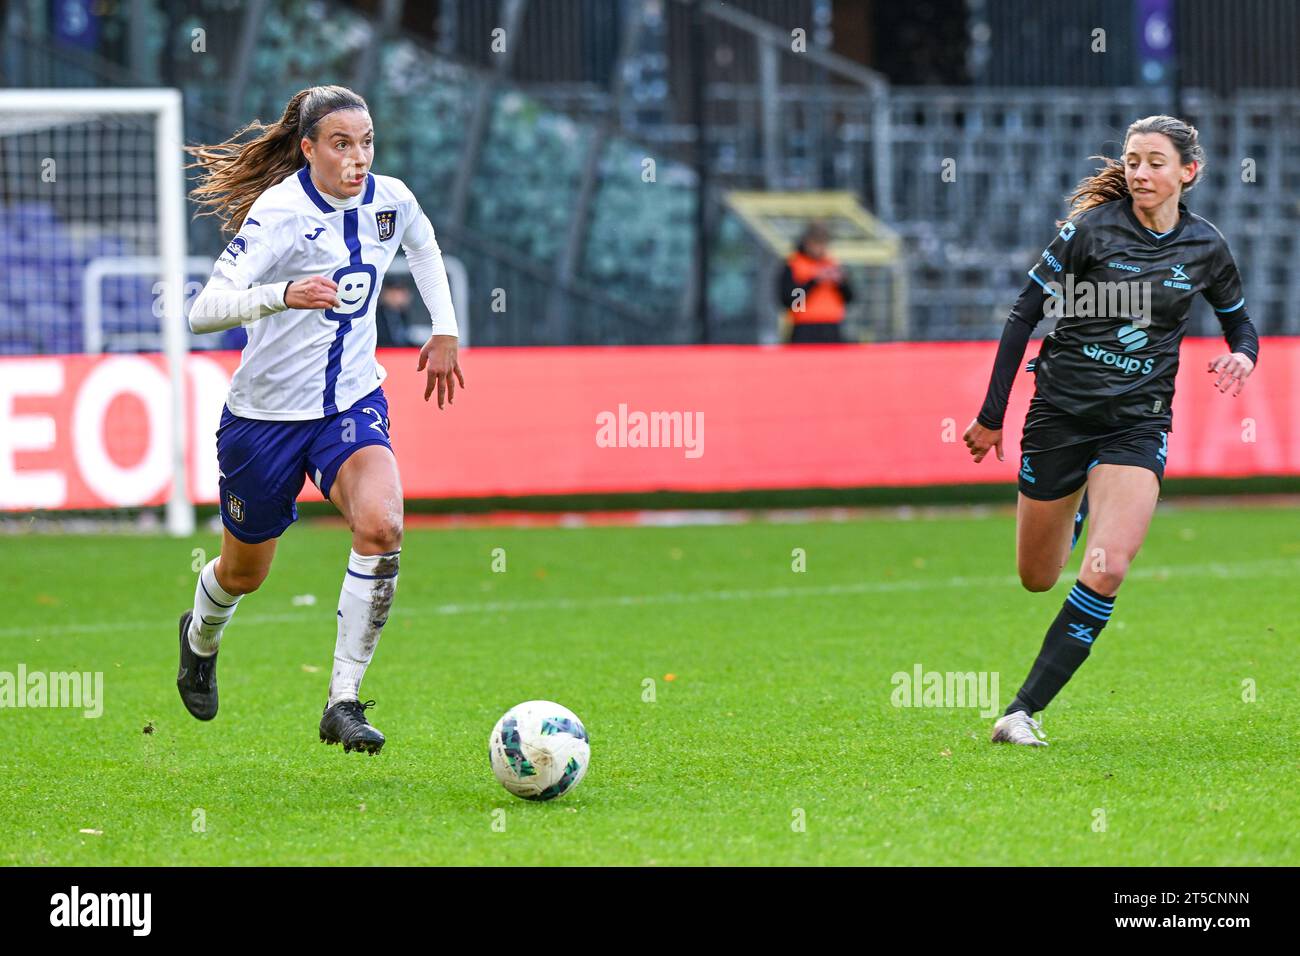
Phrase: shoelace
(357, 709)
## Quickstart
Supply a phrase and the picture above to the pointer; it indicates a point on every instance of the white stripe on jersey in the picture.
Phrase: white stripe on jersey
(302, 364)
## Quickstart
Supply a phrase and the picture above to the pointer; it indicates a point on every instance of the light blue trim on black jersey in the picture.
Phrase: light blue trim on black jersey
(1233, 308)
(1042, 283)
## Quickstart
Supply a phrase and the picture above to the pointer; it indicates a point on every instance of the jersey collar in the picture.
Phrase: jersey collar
(309, 187)
(1164, 238)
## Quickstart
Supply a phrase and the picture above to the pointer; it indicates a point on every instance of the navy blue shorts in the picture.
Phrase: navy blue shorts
(262, 464)
(1057, 450)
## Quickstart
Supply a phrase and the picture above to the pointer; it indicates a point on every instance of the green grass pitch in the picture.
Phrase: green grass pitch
(775, 742)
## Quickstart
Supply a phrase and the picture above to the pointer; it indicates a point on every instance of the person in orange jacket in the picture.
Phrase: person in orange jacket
(814, 289)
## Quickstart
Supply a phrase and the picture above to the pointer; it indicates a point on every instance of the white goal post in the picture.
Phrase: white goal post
(78, 182)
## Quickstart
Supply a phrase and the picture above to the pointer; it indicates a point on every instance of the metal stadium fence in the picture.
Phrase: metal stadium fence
(536, 185)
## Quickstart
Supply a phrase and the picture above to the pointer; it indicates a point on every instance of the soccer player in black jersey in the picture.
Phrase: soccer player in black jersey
(1119, 278)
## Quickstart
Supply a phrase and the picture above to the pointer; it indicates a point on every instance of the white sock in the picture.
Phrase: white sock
(364, 603)
(213, 609)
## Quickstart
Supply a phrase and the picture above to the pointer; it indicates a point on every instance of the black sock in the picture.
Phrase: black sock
(1080, 517)
(1066, 646)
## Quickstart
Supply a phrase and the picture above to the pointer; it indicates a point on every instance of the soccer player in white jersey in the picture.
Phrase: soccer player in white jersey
(315, 231)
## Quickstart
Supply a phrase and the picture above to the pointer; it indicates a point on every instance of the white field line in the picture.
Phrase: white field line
(1276, 567)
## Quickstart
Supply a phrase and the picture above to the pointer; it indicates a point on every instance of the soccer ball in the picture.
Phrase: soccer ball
(539, 750)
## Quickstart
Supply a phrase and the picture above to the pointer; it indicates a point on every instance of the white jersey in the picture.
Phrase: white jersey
(309, 363)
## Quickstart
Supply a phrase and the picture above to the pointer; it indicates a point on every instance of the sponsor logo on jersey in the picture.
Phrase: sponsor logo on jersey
(1123, 265)
(234, 507)
(1180, 279)
(1131, 338)
(237, 245)
(386, 221)
(356, 285)
(1067, 232)
(313, 235)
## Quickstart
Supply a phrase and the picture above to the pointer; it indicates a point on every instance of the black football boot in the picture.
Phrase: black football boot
(197, 677)
(345, 723)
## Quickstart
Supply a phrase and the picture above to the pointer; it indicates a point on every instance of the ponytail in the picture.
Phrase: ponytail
(233, 174)
(1105, 185)
(1109, 183)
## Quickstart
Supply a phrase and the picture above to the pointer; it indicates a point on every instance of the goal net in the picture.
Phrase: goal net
(93, 341)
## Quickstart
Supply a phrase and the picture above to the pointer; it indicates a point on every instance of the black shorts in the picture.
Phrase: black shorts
(1057, 450)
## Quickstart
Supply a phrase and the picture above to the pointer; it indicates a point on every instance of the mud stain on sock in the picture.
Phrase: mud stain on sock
(381, 600)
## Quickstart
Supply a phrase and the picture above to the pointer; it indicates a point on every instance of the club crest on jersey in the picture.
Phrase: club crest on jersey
(386, 221)
(1180, 279)
(234, 507)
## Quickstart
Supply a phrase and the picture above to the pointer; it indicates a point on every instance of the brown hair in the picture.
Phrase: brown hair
(233, 174)
(1108, 183)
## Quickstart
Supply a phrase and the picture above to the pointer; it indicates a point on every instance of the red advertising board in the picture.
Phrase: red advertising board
(92, 431)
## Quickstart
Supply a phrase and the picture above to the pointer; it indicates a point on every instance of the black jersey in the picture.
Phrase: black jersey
(1121, 295)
